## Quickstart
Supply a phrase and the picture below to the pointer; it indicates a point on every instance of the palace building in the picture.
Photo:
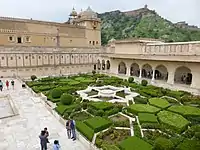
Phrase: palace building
(44, 48)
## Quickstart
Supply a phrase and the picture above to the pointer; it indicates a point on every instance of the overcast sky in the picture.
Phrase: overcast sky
(58, 10)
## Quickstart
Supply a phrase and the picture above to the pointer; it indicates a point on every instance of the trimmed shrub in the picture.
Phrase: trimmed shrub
(189, 145)
(137, 131)
(33, 77)
(56, 93)
(66, 99)
(174, 121)
(98, 123)
(145, 117)
(144, 82)
(93, 72)
(134, 143)
(140, 100)
(130, 79)
(143, 108)
(85, 130)
(158, 102)
(185, 110)
(163, 144)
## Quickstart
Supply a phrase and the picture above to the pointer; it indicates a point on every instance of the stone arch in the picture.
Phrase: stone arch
(161, 73)
(135, 70)
(122, 68)
(103, 64)
(183, 75)
(107, 64)
(147, 71)
(98, 64)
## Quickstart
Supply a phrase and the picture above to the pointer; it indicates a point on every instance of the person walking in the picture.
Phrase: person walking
(56, 145)
(73, 128)
(1, 85)
(43, 140)
(13, 83)
(7, 84)
(68, 127)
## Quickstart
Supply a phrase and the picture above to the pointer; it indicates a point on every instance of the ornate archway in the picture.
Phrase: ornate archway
(98, 64)
(135, 70)
(161, 73)
(183, 75)
(122, 68)
(103, 65)
(107, 64)
(147, 71)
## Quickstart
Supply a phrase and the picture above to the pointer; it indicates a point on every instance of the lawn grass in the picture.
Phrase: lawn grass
(147, 118)
(143, 108)
(134, 143)
(85, 130)
(98, 123)
(159, 102)
(175, 121)
(185, 110)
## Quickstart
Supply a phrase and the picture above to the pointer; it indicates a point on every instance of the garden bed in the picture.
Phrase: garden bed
(134, 143)
(120, 121)
(143, 108)
(147, 118)
(98, 123)
(159, 102)
(185, 110)
(81, 116)
(175, 121)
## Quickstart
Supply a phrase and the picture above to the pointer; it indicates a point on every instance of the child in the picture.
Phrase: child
(56, 145)
(7, 84)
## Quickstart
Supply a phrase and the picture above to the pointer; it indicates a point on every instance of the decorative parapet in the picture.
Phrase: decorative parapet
(181, 48)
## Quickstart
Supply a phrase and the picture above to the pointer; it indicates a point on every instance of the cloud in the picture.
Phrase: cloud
(58, 10)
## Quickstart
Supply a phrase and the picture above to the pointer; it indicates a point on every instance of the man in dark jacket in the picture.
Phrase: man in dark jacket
(43, 140)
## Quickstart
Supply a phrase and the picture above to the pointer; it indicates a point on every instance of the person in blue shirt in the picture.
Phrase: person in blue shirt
(73, 129)
(56, 145)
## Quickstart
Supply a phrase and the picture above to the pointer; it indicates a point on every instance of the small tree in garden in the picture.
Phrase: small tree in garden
(130, 79)
(33, 77)
(144, 82)
(66, 99)
(56, 93)
(93, 72)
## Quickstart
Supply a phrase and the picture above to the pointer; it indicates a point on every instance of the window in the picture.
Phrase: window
(2, 58)
(27, 39)
(90, 42)
(26, 57)
(19, 40)
(19, 57)
(93, 42)
(11, 58)
(51, 57)
(11, 38)
(33, 57)
(97, 42)
(39, 57)
(62, 57)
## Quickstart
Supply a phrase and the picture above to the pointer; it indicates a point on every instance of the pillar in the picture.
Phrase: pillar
(140, 76)
(128, 71)
(153, 76)
(170, 77)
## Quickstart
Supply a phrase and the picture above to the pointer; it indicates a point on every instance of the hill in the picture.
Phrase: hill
(144, 23)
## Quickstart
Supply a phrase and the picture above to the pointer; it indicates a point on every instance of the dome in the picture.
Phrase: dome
(73, 13)
(88, 13)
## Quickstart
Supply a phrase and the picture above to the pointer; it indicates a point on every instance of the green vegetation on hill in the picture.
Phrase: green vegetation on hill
(118, 25)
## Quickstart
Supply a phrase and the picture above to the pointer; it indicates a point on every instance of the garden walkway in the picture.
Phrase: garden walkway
(21, 132)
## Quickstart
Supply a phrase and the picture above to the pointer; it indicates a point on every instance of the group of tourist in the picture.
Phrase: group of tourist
(71, 133)
(7, 84)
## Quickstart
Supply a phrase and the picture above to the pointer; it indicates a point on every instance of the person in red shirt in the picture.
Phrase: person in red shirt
(7, 84)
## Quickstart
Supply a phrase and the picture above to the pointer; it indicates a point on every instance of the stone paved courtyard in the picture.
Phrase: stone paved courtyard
(21, 132)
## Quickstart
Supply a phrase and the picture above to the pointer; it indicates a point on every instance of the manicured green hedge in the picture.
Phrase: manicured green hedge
(163, 144)
(145, 117)
(85, 130)
(137, 131)
(158, 102)
(134, 143)
(143, 108)
(140, 100)
(98, 123)
(174, 121)
(185, 110)
(189, 145)
(61, 109)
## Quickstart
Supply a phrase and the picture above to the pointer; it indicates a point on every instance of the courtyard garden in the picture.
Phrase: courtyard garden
(117, 114)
